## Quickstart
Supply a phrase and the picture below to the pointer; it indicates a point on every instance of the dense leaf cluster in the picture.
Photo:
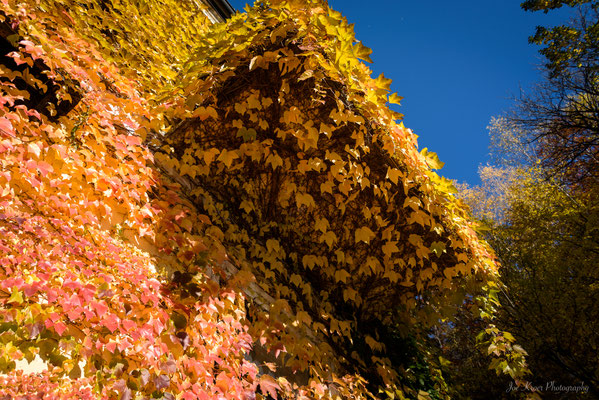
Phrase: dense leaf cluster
(222, 212)
(284, 141)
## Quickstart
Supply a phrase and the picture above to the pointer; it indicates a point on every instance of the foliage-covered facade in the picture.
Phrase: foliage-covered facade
(194, 211)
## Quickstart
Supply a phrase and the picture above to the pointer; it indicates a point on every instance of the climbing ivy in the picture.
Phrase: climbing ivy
(225, 212)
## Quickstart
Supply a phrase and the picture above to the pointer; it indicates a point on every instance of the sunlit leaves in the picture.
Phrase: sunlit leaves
(328, 199)
(395, 99)
(382, 83)
(362, 52)
(432, 159)
(76, 199)
(272, 152)
(268, 386)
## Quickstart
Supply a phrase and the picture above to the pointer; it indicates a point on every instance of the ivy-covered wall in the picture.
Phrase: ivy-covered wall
(206, 190)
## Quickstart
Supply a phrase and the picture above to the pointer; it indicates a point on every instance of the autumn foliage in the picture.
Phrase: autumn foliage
(224, 211)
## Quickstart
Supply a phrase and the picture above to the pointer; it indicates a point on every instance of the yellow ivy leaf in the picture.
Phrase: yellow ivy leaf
(382, 82)
(326, 130)
(395, 99)
(432, 159)
(426, 274)
(186, 224)
(204, 113)
(266, 102)
(309, 261)
(296, 280)
(304, 199)
(278, 32)
(326, 187)
(240, 108)
(304, 317)
(254, 102)
(16, 296)
(350, 294)
(256, 62)
(438, 248)
(373, 264)
(292, 115)
(275, 161)
(374, 345)
(340, 256)
(389, 248)
(345, 326)
(210, 154)
(227, 157)
(329, 237)
(270, 366)
(341, 275)
(413, 202)
(393, 174)
(450, 272)
(247, 134)
(321, 224)
(364, 234)
(362, 52)
(246, 206)
(419, 217)
(272, 245)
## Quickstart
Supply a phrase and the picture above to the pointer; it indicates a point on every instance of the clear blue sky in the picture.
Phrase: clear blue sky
(456, 63)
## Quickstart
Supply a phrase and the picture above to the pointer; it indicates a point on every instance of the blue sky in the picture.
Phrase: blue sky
(456, 63)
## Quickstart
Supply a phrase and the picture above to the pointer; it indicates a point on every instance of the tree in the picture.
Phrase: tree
(562, 114)
(223, 211)
(538, 203)
(546, 239)
(568, 47)
(555, 275)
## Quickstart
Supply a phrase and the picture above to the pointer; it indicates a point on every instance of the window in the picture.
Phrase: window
(221, 10)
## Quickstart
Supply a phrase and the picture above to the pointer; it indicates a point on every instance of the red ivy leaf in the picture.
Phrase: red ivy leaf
(59, 327)
(269, 385)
